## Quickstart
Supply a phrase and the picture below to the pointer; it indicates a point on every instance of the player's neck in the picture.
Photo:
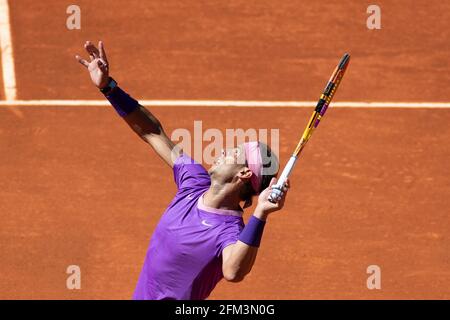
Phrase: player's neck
(219, 198)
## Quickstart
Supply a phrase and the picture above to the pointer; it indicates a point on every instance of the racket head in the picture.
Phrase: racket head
(333, 84)
(344, 62)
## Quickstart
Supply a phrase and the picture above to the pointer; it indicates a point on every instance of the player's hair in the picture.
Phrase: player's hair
(270, 170)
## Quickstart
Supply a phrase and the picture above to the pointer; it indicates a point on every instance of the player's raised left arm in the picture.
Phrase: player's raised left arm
(140, 119)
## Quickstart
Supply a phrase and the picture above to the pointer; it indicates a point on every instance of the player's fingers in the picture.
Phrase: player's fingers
(82, 61)
(280, 196)
(102, 51)
(287, 183)
(92, 50)
(91, 56)
(272, 182)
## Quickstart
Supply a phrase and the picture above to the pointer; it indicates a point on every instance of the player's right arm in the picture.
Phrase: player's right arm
(141, 120)
(239, 258)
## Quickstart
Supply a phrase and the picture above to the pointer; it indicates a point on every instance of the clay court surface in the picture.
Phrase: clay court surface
(372, 188)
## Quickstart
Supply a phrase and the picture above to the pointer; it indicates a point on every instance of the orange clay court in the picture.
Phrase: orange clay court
(371, 188)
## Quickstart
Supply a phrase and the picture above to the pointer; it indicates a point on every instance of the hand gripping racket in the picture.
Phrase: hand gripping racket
(319, 112)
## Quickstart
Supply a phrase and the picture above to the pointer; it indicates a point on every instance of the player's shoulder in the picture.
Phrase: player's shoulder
(188, 173)
(188, 163)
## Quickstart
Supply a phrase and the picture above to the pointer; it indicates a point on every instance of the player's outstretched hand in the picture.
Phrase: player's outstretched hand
(264, 206)
(98, 66)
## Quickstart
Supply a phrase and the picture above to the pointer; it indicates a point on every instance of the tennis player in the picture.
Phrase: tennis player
(201, 237)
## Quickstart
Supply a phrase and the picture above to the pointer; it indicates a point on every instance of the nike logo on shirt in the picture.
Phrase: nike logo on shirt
(206, 224)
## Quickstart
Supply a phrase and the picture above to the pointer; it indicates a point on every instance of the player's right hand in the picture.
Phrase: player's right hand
(264, 206)
(98, 66)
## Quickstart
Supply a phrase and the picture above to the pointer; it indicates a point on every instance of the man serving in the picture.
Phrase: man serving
(201, 237)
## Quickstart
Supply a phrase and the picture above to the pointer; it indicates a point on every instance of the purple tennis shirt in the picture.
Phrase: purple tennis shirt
(184, 258)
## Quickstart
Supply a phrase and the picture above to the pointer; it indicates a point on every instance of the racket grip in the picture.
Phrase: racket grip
(277, 189)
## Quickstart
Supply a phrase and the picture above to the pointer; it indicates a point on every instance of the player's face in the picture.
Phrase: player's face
(229, 162)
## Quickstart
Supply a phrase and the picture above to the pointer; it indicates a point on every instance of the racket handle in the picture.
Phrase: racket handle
(277, 189)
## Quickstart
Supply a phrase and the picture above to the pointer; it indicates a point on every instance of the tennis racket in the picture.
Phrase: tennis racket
(319, 112)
